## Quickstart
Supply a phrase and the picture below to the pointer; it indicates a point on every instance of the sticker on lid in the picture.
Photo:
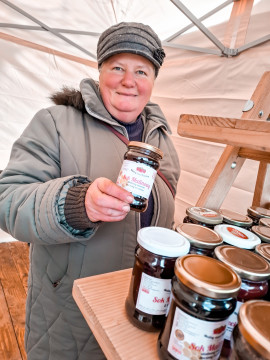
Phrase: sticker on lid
(237, 236)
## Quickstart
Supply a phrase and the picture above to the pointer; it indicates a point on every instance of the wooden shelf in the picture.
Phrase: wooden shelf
(246, 138)
(101, 299)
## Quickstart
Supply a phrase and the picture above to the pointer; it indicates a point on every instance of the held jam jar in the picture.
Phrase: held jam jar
(254, 272)
(236, 236)
(202, 240)
(251, 337)
(203, 297)
(150, 285)
(234, 218)
(202, 216)
(138, 172)
(256, 213)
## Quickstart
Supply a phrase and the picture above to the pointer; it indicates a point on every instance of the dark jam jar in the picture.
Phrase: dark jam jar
(237, 236)
(254, 272)
(138, 172)
(263, 232)
(234, 218)
(251, 337)
(264, 251)
(264, 222)
(256, 213)
(203, 297)
(202, 240)
(150, 285)
(202, 216)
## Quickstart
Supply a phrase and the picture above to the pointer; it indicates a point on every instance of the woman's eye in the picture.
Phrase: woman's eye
(118, 68)
(141, 72)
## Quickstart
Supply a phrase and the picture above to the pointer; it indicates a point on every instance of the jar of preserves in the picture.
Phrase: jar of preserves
(264, 222)
(150, 285)
(234, 218)
(202, 216)
(254, 272)
(251, 337)
(264, 251)
(256, 213)
(236, 236)
(263, 232)
(202, 239)
(204, 294)
(138, 172)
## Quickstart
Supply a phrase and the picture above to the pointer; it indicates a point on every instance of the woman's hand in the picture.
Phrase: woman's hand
(106, 201)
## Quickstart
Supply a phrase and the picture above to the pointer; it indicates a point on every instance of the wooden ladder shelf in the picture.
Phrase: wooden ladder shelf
(246, 138)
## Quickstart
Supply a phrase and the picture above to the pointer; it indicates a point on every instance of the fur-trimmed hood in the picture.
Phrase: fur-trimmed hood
(69, 97)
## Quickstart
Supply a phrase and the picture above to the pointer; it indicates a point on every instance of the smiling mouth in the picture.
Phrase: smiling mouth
(123, 94)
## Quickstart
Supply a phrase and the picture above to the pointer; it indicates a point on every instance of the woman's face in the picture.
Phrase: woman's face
(126, 82)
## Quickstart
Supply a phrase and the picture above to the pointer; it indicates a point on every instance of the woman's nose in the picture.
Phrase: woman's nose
(128, 79)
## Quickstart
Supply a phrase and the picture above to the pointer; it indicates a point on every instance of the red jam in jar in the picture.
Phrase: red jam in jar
(202, 216)
(254, 272)
(237, 236)
(150, 286)
(202, 239)
(234, 218)
(256, 213)
(203, 297)
(138, 172)
(251, 337)
(264, 251)
(263, 232)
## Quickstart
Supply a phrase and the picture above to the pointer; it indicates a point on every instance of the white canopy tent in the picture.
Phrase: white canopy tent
(210, 69)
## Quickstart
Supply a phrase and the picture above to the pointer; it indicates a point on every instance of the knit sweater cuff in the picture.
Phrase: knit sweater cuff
(75, 212)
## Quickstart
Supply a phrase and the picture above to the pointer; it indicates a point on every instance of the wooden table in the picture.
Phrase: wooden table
(101, 299)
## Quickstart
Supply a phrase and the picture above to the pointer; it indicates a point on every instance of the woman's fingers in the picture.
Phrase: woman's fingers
(106, 201)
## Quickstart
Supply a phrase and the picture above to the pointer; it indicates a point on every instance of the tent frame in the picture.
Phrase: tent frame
(222, 50)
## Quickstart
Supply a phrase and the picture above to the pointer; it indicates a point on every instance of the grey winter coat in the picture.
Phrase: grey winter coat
(60, 148)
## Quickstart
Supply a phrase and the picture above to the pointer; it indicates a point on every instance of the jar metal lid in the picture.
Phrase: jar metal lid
(246, 264)
(253, 323)
(237, 236)
(204, 215)
(258, 212)
(263, 250)
(146, 146)
(199, 236)
(234, 218)
(207, 276)
(162, 241)
(264, 222)
(262, 231)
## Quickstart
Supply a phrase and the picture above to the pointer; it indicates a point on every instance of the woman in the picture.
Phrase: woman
(58, 192)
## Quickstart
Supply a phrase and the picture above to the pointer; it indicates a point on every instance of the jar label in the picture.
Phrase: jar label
(154, 295)
(193, 338)
(136, 178)
(237, 233)
(204, 212)
(232, 321)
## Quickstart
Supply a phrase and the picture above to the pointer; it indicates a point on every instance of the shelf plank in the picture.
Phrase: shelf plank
(101, 299)
(253, 134)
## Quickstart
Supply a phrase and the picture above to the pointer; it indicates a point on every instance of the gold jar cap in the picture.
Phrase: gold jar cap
(264, 222)
(262, 231)
(142, 145)
(254, 325)
(207, 276)
(258, 212)
(199, 235)
(263, 250)
(234, 218)
(247, 264)
(204, 215)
